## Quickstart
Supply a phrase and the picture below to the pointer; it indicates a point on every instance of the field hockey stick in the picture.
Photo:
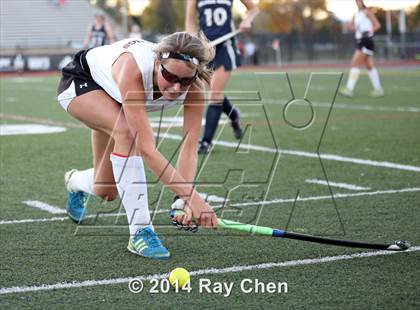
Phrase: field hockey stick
(224, 38)
(400, 245)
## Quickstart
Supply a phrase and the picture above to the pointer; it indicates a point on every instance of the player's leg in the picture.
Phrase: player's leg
(101, 113)
(95, 109)
(102, 148)
(226, 60)
(357, 61)
(214, 110)
(99, 180)
(374, 77)
(232, 60)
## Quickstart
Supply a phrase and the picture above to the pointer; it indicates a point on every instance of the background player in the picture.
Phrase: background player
(365, 24)
(215, 20)
(95, 89)
(100, 33)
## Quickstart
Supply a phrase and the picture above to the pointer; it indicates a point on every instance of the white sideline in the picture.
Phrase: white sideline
(268, 202)
(368, 162)
(337, 195)
(44, 206)
(351, 187)
(240, 268)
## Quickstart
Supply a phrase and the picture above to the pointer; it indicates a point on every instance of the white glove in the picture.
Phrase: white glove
(179, 204)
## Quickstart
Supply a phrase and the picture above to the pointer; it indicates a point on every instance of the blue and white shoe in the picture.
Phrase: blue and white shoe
(147, 244)
(76, 201)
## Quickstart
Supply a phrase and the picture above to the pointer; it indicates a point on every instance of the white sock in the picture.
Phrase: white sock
(353, 77)
(82, 181)
(130, 179)
(374, 78)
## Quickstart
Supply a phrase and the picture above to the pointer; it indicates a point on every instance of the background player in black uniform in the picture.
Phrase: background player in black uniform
(364, 24)
(100, 33)
(215, 20)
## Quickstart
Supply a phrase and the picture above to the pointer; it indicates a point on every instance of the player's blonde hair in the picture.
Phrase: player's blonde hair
(196, 46)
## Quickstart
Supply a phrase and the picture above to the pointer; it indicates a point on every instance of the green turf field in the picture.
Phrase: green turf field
(372, 145)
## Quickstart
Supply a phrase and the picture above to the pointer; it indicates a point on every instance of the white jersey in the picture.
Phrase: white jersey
(362, 24)
(101, 59)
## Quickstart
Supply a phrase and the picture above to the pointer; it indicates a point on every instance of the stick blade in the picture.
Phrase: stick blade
(400, 245)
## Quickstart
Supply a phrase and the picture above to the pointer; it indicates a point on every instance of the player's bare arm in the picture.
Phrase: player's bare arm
(252, 12)
(191, 16)
(193, 113)
(128, 77)
(374, 20)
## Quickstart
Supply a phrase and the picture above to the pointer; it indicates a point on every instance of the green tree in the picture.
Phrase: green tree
(160, 16)
(285, 15)
(413, 18)
(299, 16)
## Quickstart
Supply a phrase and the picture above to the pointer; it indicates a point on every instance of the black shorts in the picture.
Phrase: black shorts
(366, 45)
(76, 80)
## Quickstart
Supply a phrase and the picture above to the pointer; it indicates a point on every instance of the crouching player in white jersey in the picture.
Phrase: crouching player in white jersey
(110, 89)
(365, 25)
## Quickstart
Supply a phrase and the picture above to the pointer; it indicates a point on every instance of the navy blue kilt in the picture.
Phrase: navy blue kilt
(227, 55)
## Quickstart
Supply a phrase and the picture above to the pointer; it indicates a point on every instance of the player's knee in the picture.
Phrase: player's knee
(123, 135)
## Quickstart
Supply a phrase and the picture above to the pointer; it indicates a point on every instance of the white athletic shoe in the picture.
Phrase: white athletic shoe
(346, 92)
(377, 93)
(67, 177)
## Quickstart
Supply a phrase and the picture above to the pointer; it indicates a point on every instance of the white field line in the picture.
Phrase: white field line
(336, 196)
(44, 206)
(212, 198)
(207, 271)
(368, 107)
(332, 157)
(268, 202)
(349, 106)
(55, 210)
(61, 219)
(29, 129)
(336, 184)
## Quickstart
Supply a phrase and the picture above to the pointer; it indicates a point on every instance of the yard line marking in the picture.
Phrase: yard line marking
(61, 219)
(336, 196)
(332, 157)
(207, 271)
(41, 120)
(212, 198)
(29, 129)
(247, 147)
(24, 221)
(336, 184)
(349, 106)
(44, 206)
(368, 107)
(268, 202)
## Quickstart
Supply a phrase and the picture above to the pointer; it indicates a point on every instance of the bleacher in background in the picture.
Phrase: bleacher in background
(43, 23)
(42, 32)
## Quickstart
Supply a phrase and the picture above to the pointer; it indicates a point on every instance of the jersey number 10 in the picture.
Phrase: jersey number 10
(218, 17)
